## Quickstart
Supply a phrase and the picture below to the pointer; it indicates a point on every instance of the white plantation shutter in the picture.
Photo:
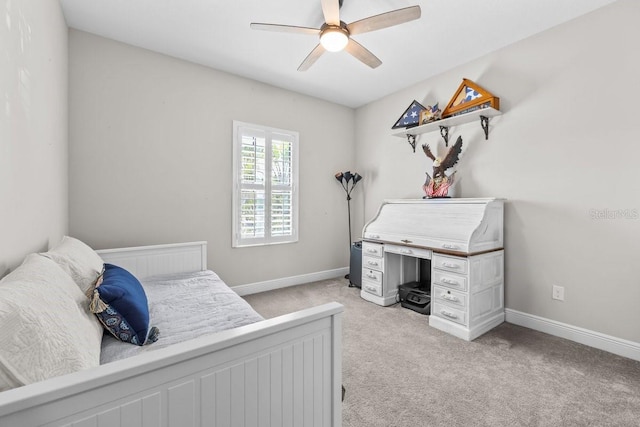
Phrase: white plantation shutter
(265, 179)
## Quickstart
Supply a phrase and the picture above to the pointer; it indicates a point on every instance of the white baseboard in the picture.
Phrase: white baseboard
(269, 285)
(614, 345)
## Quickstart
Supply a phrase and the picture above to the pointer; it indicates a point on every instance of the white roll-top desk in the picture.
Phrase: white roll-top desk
(464, 240)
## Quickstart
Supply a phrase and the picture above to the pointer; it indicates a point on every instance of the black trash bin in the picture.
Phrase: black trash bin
(355, 265)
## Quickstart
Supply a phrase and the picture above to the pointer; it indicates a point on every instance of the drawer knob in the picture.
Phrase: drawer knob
(450, 265)
(450, 246)
(449, 281)
(450, 298)
(375, 264)
(448, 314)
(371, 276)
(406, 251)
(372, 251)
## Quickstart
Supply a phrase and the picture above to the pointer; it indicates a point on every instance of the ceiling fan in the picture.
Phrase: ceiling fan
(335, 35)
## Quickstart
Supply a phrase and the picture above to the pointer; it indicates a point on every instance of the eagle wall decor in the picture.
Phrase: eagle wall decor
(440, 183)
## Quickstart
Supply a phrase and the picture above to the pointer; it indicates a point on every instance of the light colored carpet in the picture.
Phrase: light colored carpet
(398, 371)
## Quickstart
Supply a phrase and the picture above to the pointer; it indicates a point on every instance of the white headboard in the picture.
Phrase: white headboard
(145, 261)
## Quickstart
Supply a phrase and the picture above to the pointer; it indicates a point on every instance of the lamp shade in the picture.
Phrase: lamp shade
(348, 176)
(334, 39)
(339, 176)
(356, 177)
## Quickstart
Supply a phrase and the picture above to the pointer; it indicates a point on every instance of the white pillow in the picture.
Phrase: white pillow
(81, 262)
(47, 329)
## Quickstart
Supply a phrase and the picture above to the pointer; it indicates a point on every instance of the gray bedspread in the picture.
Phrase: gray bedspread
(184, 306)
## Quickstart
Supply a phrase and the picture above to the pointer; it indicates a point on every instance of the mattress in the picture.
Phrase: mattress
(184, 306)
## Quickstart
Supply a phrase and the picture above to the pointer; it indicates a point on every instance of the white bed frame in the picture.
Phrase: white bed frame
(285, 371)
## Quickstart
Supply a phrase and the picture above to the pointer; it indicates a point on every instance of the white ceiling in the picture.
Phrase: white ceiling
(216, 33)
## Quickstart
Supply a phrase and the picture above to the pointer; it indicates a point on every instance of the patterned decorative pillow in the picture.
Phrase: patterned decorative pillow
(46, 328)
(121, 305)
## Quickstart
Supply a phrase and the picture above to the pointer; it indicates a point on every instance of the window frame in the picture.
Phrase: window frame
(237, 240)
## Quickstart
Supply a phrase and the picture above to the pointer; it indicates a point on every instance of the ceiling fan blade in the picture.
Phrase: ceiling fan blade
(331, 11)
(362, 54)
(311, 58)
(285, 28)
(384, 20)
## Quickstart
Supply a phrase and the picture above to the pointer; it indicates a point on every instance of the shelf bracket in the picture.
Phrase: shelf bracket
(484, 122)
(411, 139)
(444, 132)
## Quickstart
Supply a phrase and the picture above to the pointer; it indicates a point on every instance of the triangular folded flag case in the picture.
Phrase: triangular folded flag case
(410, 117)
(470, 97)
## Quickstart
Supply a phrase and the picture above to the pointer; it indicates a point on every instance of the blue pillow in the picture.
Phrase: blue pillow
(121, 306)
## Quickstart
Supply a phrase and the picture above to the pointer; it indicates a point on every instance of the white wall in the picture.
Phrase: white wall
(565, 149)
(151, 158)
(33, 128)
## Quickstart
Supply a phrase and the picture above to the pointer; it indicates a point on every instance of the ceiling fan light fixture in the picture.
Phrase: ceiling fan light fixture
(334, 38)
(335, 35)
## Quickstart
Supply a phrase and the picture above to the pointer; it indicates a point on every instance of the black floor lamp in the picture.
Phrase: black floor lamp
(348, 182)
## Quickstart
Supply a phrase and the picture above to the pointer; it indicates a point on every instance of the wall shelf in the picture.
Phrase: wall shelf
(483, 115)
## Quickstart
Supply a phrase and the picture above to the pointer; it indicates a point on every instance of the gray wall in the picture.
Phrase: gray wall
(564, 153)
(33, 129)
(151, 159)
(151, 150)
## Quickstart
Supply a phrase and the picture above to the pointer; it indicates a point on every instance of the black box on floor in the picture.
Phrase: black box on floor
(415, 298)
(355, 265)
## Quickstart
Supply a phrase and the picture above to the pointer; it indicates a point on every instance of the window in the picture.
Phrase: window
(265, 179)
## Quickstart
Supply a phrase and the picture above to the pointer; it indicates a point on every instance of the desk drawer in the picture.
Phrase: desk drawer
(449, 313)
(450, 297)
(408, 251)
(448, 263)
(372, 249)
(372, 287)
(372, 276)
(373, 263)
(453, 281)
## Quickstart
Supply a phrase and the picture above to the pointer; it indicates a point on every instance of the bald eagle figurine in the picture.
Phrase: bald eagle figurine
(439, 185)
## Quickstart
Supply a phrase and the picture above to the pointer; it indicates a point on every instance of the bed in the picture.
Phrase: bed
(284, 371)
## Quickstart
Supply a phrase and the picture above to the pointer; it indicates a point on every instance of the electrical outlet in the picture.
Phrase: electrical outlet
(558, 293)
